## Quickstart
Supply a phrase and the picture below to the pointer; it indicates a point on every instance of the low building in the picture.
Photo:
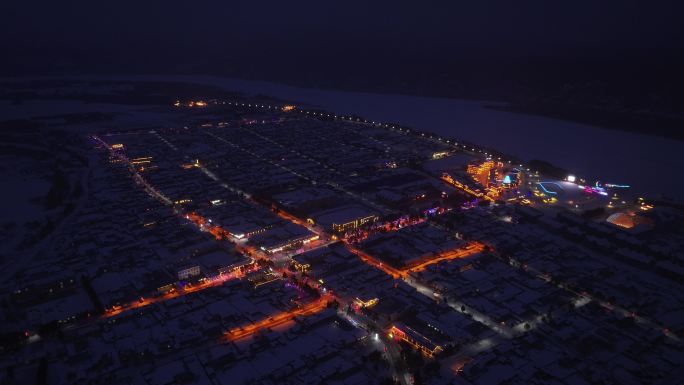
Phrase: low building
(345, 218)
(189, 272)
(282, 238)
(417, 340)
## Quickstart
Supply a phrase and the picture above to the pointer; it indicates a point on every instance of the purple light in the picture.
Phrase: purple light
(595, 190)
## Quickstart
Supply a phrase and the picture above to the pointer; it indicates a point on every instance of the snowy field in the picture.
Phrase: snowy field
(122, 115)
(16, 204)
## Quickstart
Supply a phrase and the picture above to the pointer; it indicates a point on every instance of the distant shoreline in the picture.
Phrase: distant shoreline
(670, 126)
(663, 127)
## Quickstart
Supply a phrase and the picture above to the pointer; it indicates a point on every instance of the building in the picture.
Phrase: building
(345, 218)
(188, 272)
(282, 238)
(244, 265)
(417, 340)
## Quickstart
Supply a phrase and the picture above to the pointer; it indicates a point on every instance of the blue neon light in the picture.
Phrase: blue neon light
(541, 184)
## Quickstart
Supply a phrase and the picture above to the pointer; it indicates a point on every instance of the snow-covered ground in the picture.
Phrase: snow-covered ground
(46, 108)
(650, 164)
(19, 193)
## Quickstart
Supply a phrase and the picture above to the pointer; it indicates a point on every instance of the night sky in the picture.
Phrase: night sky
(350, 44)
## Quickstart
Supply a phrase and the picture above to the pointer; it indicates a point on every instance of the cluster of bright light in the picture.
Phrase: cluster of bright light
(643, 205)
(440, 154)
(594, 190)
(191, 103)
